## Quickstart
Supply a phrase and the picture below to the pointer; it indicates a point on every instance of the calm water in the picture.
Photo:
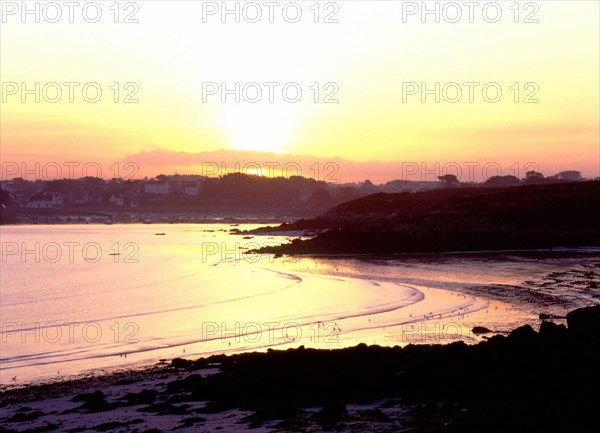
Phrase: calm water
(86, 297)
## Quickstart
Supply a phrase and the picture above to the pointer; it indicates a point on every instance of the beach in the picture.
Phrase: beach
(191, 290)
(505, 383)
(187, 292)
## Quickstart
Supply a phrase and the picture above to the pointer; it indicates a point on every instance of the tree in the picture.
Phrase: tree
(532, 177)
(569, 176)
(449, 180)
(5, 197)
(320, 198)
(502, 181)
(367, 187)
(345, 194)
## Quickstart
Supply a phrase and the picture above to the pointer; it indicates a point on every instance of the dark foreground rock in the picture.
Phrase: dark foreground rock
(524, 382)
(584, 322)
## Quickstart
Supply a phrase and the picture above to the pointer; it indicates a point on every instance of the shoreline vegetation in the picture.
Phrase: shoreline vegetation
(199, 199)
(452, 220)
(527, 381)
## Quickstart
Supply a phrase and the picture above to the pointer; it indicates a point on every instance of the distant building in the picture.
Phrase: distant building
(305, 194)
(21, 190)
(10, 186)
(117, 200)
(191, 188)
(133, 188)
(79, 197)
(156, 187)
(45, 201)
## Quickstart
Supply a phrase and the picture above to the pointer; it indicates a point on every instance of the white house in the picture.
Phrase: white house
(79, 197)
(45, 201)
(191, 188)
(155, 187)
(117, 200)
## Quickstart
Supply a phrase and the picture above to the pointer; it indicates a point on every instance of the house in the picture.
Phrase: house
(117, 200)
(156, 187)
(45, 201)
(305, 194)
(10, 186)
(79, 197)
(191, 188)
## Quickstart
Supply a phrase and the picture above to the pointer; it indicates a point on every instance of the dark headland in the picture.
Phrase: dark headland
(454, 219)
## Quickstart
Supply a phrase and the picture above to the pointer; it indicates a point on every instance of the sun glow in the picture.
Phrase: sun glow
(259, 127)
(165, 60)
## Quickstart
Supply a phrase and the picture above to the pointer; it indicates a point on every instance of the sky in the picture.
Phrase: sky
(342, 91)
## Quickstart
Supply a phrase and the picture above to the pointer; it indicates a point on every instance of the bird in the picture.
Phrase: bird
(14, 379)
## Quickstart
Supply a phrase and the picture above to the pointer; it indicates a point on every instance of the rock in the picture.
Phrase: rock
(94, 402)
(180, 363)
(390, 403)
(185, 424)
(331, 413)
(271, 412)
(193, 420)
(24, 409)
(145, 396)
(523, 334)
(98, 406)
(22, 417)
(89, 396)
(584, 321)
(193, 381)
(166, 409)
(110, 425)
(480, 330)
(551, 330)
(175, 386)
(126, 381)
(374, 415)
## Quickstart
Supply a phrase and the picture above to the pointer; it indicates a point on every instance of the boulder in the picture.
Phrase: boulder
(331, 413)
(480, 330)
(584, 321)
(551, 330)
(89, 396)
(523, 334)
(146, 396)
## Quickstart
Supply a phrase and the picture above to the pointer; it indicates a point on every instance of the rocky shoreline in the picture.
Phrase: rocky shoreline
(527, 381)
(451, 220)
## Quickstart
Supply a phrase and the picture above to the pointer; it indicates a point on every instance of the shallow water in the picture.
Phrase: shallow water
(85, 297)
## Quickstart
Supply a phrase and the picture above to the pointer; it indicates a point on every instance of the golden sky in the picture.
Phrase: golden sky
(372, 65)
